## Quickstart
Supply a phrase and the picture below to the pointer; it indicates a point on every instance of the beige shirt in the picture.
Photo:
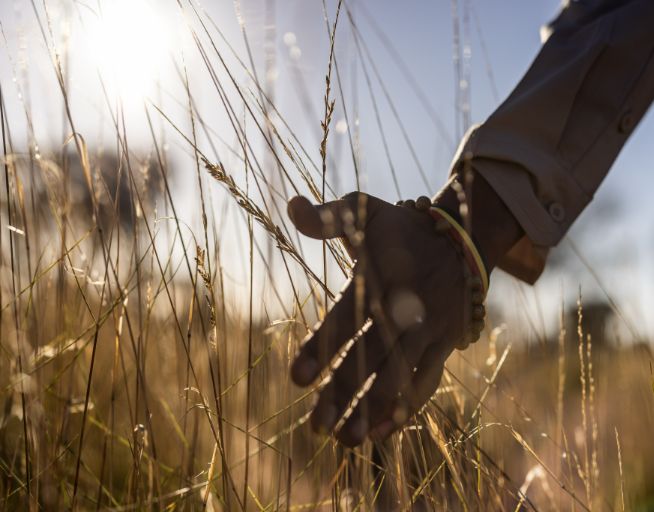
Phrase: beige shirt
(548, 147)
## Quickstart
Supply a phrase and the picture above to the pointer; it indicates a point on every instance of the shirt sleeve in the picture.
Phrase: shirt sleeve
(548, 147)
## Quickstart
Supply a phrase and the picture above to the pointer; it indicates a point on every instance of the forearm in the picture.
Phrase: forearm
(547, 148)
(492, 225)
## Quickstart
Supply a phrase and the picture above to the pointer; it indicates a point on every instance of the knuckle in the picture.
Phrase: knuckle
(353, 197)
(357, 200)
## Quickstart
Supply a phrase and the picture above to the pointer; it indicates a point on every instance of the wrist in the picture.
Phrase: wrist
(483, 214)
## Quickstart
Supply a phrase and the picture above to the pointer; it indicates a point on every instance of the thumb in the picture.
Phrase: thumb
(323, 221)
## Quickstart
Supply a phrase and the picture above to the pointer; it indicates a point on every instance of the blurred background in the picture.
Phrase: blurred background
(409, 82)
(150, 147)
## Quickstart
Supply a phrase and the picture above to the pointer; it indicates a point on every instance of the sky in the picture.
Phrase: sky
(134, 44)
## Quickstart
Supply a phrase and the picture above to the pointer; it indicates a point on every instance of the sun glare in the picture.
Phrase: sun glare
(132, 44)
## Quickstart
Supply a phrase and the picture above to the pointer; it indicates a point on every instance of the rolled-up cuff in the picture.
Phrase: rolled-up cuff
(537, 189)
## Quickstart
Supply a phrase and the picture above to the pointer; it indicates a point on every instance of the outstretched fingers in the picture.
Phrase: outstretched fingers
(423, 385)
(393, 376)
(361, 360)
(346, 317)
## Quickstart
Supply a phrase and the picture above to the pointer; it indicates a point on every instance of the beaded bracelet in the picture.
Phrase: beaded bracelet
(476, 274)
(459, 235)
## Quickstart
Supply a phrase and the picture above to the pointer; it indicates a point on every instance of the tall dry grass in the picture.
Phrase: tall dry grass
(134, 374)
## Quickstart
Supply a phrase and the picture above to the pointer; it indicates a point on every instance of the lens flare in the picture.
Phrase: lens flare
(132, 43)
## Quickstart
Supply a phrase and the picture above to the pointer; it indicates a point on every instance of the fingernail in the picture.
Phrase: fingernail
(383, 430)
(304, 371)
(400, 414)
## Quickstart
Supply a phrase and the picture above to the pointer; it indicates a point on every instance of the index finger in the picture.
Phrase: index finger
(347, 316)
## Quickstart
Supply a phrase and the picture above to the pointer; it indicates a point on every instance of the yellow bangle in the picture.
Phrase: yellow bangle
(462, 236)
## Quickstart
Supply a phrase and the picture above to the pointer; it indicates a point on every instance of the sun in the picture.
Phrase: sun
(131, 42)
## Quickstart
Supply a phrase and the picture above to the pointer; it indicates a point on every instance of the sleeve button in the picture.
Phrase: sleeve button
(557, 212)
(626, 122)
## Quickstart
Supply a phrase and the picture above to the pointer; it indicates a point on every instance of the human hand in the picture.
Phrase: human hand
(409, 281)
